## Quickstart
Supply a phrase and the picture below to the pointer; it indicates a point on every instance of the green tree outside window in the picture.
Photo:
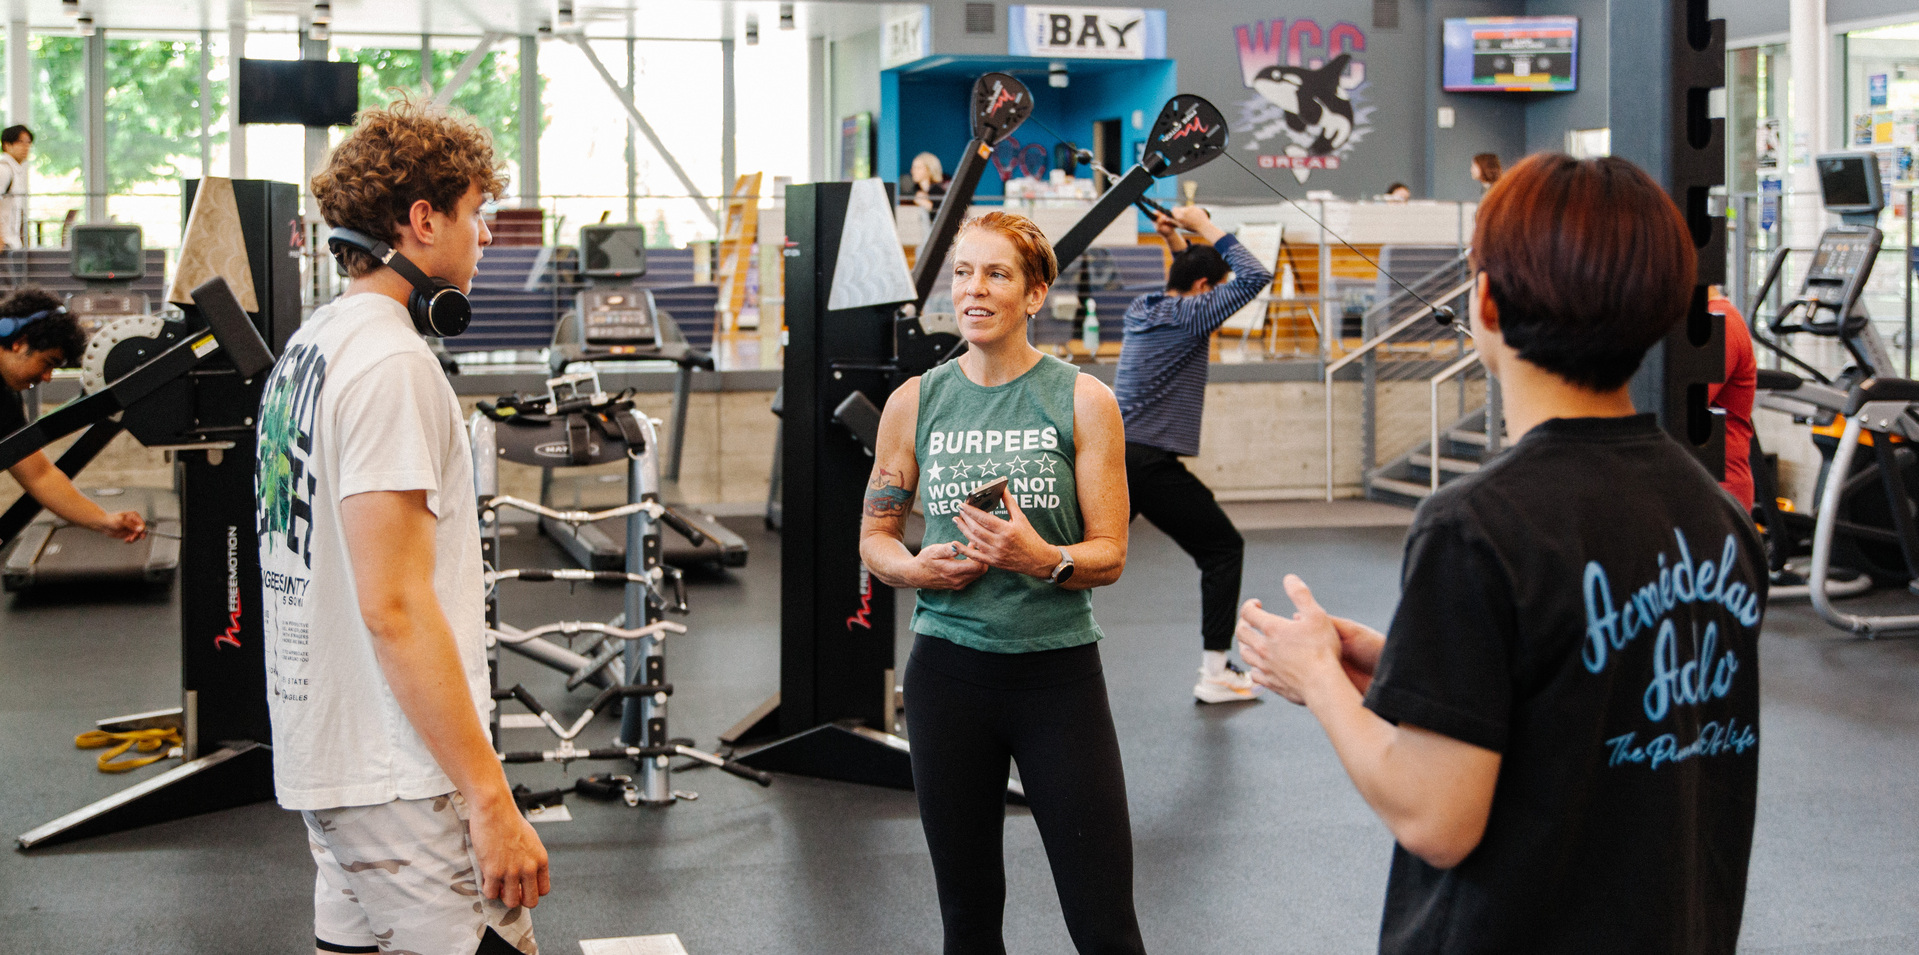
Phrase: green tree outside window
(491, 95)
(152, 107)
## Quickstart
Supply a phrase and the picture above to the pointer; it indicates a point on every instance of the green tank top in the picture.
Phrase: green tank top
(970, 434)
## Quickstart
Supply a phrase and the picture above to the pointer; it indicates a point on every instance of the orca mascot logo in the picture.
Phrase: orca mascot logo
(1310, 107)
(1314, 105)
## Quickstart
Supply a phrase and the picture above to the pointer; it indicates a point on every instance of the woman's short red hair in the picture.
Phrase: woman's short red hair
(1589, 264)
(1030, 248)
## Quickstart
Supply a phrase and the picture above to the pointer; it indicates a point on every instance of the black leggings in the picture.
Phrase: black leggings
(970, 713)
(1182, 506)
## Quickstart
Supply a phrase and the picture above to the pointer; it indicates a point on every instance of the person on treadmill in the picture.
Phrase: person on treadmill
(1561, 726)
(37, 336)
(1161, 386)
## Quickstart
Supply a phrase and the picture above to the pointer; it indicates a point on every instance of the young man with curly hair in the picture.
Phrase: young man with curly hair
(37, 336)
(370, 548)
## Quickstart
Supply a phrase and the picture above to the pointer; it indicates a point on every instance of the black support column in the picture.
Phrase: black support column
(1667, 58)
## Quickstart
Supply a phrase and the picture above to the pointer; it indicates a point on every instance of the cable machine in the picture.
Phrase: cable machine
(835, 713)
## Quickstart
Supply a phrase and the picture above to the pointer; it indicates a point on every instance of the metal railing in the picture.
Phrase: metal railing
(1410, 345)
(1461, 369)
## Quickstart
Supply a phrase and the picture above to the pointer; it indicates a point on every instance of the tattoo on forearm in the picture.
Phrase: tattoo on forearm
(884, 495)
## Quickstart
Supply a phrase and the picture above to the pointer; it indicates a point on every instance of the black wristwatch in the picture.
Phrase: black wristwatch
(1064, 571)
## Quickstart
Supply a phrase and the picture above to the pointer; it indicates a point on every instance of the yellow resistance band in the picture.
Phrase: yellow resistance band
(146, 741)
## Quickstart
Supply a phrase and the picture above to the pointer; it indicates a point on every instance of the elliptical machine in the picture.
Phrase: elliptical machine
(1867, 504)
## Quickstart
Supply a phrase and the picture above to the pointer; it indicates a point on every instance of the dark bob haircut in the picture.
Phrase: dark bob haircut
(57, 332)
(13, 134)
(1194, 263)
(1589, 264)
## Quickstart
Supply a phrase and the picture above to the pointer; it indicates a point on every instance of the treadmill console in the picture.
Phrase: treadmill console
(618, 316)
(1840, 265)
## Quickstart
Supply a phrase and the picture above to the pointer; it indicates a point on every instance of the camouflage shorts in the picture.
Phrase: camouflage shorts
(401, 878)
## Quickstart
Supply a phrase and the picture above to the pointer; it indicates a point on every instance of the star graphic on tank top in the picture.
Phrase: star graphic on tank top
(934, 471)
(1017, 466)
(1045, 465)
(961, 470)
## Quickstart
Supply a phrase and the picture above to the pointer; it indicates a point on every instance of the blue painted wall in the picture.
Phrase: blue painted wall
(927, 109)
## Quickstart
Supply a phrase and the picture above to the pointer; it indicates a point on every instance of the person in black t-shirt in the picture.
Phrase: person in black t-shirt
(37, 336)
(1561, 727)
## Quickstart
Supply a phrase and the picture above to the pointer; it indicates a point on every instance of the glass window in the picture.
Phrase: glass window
(491, 93)
(1882, 109)
(153, 130)
(583, 148)
(275, 152)
(771, 101)
(59, 89)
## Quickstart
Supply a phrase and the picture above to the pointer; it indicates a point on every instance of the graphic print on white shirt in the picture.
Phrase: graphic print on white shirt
(357, 404)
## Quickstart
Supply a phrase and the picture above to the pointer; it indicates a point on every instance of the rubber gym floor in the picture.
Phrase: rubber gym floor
(1248, 835)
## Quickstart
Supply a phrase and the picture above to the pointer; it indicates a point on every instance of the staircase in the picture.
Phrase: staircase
(1423, 396)
(1408, 479)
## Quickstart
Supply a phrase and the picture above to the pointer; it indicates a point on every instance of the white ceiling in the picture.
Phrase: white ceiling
(683, 19)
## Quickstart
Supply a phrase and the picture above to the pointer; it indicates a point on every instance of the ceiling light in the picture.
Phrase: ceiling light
(563, 12)
(70, 7)
(319, 32)
(86, 25)
(786, 16)
(1056, 75)
(752, 29)
(322, 12)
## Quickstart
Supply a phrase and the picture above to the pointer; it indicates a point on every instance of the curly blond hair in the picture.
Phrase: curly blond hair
(399, 155)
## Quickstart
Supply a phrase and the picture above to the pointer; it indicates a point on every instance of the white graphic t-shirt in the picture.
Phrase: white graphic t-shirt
(357, 404)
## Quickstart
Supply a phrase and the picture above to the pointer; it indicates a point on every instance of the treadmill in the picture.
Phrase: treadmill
(49, 551)
(613, 319)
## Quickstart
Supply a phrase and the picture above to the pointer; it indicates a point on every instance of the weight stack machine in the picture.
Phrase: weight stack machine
(854, 335)
(1668, 58)
(837, 669)
(205, 417)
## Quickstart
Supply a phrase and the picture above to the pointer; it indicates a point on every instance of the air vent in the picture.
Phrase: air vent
(980, 18)
(1385, 14)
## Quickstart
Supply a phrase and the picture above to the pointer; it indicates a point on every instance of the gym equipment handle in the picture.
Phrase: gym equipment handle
(652, 508)
(1881, 389)
(570, 627)
(764, 779)
(682, 526)
(726, 765)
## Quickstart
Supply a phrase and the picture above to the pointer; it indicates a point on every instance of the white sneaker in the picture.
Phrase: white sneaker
(1230, 685)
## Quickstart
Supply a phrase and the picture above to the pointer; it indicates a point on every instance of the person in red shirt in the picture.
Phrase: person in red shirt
(1734, 396)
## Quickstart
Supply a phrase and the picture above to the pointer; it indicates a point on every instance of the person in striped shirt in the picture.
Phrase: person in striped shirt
(1161, 386)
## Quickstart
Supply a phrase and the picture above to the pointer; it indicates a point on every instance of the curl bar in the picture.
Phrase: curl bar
(654, 509)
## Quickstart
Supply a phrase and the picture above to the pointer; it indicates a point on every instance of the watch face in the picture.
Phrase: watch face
(1061, 575)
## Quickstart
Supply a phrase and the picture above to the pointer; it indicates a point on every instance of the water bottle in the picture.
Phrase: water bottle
(1089, 332)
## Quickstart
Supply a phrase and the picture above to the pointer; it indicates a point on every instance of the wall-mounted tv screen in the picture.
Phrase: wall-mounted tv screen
(299, 92)
(1511, 54)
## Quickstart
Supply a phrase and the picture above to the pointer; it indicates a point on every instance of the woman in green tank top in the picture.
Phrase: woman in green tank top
(1005, 665)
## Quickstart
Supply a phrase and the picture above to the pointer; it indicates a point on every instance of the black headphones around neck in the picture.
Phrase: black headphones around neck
(438, 307)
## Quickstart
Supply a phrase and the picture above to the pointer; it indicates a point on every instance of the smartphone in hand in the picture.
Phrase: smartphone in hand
(987, 496)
